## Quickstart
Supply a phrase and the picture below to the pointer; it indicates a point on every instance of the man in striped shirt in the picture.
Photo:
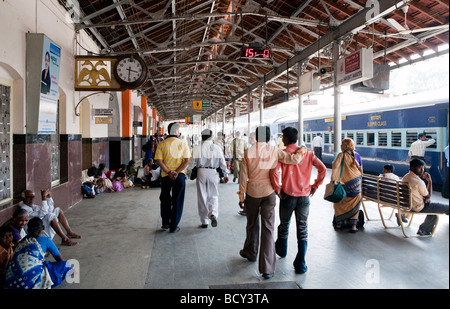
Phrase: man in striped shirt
(417, 150)
(173, 157)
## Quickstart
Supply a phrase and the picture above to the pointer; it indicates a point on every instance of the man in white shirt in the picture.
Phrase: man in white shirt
(388, 173)
(421, 195)
(417, 150)
(49, 215)
(208, 157)
(445, 185)
(317, 145)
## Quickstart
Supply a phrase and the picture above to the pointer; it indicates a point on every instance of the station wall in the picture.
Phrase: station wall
(28, 160)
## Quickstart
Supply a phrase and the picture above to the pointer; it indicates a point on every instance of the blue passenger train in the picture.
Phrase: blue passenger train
(384, 137)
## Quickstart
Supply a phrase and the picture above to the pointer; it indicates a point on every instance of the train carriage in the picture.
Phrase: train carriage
(383, 137)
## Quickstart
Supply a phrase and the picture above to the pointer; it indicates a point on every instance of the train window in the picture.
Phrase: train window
(382, 138)
(308, 138)
(326, 138)
(431, 134)
(359, 138)
(332, 138)
(370, 138)
(350, 135)
(411, 137)
(396, 139)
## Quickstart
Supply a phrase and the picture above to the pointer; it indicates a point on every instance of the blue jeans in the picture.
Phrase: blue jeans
(430, 220)
(299, 205)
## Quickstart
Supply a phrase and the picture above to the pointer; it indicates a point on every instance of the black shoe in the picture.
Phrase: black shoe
(175, 231)
(203, 226)
(234, 179)
(267, 276)
(165, 227)
(423, 233)
(213, 221)
(300, 272)
(241, 253)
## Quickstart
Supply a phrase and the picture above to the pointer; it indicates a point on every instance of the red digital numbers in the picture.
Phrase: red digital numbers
(255, 53)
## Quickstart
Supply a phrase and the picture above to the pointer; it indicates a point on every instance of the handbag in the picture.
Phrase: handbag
(336, 191)
(193, 173)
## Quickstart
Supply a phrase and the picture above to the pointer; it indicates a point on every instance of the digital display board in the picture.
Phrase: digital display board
(255, 53)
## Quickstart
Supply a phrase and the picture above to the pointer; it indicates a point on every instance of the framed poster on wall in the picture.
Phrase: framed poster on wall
(48, 101)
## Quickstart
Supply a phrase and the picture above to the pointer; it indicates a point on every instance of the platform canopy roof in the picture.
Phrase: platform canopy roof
(193, 47)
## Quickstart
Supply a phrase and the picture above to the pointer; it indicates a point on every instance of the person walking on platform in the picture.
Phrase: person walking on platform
(294, 193)
(421, 196)
(257, 197)
(238, 147)
(417, 150)
(208, 157)
(317, 145)
(219, 141)
(445, 188)
(172, 155)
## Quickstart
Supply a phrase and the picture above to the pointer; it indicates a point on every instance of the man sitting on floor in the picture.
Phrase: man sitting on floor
(49, 215)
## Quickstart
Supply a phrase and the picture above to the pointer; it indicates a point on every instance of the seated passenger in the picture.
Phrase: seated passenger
(421, 195)
(132, 171)
(121, 175)
(17, 223)
(50, 215)
(388, 172)
(6, 251)
(28, 268)
(147, 174)
(155, 180)
(105, 183)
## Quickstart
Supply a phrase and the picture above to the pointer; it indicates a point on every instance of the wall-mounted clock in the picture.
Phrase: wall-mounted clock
(130, 71)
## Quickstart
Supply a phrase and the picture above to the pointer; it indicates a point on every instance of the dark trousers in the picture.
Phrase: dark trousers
(318, 152)
(172, 200)
(445, 186)
(430, 220)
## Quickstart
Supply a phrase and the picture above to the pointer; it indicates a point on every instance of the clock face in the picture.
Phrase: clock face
(130, 71)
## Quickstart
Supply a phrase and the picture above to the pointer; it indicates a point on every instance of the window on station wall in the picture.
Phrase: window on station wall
(359, 138)
(396, 139)
(411, 137)
(5, 141)
(55, 151)
(431, 134)
(382, 139)
(370, 138)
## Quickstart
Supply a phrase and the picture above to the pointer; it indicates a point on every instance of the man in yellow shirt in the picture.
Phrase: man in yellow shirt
(173, 157)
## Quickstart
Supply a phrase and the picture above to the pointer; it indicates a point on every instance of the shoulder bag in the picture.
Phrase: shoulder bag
(336, 191)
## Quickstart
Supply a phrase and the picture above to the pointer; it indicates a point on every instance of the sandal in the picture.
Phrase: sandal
(68, 242)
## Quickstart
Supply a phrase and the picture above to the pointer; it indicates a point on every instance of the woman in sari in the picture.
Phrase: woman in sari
(348, 209)
(28, 268)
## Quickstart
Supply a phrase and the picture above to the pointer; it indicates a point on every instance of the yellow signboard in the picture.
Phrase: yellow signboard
(197, 104)
(103, 120)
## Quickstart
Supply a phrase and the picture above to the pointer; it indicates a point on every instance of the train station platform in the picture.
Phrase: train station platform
(123, 247)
